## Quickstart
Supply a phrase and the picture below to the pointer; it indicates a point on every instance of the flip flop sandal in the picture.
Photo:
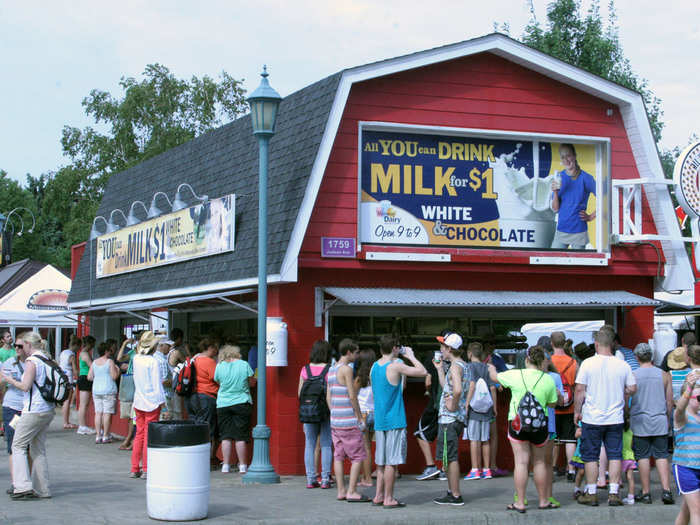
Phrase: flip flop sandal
(397, 505)
(377, 504)
(549, 505)
(516, 509)
(363, 499)
(122, 447)
(340, 499)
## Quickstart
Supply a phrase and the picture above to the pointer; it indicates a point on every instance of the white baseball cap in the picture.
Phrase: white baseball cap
(451, 340)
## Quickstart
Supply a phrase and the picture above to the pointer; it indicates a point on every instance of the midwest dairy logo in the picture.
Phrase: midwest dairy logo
(384, 209)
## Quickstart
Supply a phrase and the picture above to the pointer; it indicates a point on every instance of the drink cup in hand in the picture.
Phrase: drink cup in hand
(437, 357)
(556, 182)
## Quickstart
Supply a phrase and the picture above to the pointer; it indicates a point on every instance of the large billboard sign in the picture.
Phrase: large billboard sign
(424, 189)
(198, 231)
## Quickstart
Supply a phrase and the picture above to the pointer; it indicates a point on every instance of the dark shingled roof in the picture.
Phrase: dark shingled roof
(12, 275)
(221, 162)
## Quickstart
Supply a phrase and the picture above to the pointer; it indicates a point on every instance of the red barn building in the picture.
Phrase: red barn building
(407, 196)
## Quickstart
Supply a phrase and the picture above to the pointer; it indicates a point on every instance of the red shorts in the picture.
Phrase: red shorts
(348, 442)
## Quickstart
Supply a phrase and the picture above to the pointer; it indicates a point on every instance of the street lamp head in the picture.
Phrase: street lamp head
(264, 103)
(179, 204)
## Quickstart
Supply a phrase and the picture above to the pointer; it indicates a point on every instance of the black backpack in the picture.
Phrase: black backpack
(56, 388)
(531, 416)
(312, 399)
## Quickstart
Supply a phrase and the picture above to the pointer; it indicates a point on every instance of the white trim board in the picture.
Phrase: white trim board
(679, 275)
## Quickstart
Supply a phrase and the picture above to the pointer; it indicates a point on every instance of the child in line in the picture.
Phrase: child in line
(628, 461)
(480, 412)
(578, 465)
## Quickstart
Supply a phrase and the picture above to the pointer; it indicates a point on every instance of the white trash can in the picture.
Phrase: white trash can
(177, 487)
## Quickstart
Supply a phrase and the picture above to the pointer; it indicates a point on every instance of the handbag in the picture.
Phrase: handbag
(126, 385)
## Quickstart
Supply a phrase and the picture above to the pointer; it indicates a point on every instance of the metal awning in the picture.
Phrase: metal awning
(73, 311)
(489, 298)
(668, 308)
(140, 306)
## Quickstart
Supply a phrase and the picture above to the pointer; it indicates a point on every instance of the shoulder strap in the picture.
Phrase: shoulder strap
(325, 370)
(307, 367)
(571, 362)
(522, 377)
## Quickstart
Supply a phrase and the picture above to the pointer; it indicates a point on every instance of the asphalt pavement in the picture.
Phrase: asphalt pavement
(91, 485)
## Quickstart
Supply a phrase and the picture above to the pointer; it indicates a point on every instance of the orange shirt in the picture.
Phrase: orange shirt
(568, 376)
(205, 367)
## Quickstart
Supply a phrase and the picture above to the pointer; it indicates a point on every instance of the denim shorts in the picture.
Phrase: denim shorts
(592, 436)
(7, 415)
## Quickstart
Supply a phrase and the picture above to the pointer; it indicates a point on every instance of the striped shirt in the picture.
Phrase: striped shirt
(342, 413)
(686, 450)
(677, 380)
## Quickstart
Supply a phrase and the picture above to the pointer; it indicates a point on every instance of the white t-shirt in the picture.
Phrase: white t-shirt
(148, 384)
(605, 378)
(64, 362)
(38, 404)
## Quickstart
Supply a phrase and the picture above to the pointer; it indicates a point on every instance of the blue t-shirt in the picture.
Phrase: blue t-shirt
(232, 377)
(573, 198)
(551, 417)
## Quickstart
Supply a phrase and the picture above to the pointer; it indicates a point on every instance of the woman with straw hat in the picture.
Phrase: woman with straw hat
(149, 399)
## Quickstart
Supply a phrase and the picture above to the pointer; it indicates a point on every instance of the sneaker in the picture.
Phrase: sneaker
(500, 472)
(643, 498)
(486, 473)
(577, 492)
(449, 499)
(614, 500)
(312, 484)
(667, 497)
(570, 476)
(325, 484)
(242, 468)
(225, 468)
(430, 472)
(83, 431)
(135, 475)
(474, 473)
(629, 500)
(443, 476)
(144, 475)
(588, 499)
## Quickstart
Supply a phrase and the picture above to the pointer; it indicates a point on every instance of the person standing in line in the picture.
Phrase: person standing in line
(427, 427)
(319, 364)
(529, 444)
(67, 362)
(363, 365)
(479, 422)
(7, 350)
(149, 400)
(548, 366)
(680, 353)
(686, 450)
(125, 358)
(84, 384)
(13, 402)
(649, 416)
(603, 385)
(162, 349)
(677, 365)
(179, 351)
(33, 425)
(201, 406)
(104, 374)
(495, 364)
(564, 412)
(387, 376)
(452, 418)
(346, 422)
(234, 406)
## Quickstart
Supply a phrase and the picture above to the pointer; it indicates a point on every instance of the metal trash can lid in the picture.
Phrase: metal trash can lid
(177, 433)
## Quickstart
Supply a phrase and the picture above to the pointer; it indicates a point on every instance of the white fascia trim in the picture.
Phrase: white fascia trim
(191, 290)
(645, 153)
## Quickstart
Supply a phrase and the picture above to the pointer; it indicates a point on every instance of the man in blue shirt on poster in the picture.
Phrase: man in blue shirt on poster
(570, 192)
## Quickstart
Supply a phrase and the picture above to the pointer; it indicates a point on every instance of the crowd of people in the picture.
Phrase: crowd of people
(606, 408)
(142, 374)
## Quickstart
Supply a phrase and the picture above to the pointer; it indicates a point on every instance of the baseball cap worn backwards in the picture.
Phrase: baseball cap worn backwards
(451, 340)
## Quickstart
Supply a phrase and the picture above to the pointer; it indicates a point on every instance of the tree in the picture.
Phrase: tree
(583, 40)
(151, 116)
(12, 196)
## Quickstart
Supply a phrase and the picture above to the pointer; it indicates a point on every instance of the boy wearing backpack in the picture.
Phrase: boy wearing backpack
(481, 409)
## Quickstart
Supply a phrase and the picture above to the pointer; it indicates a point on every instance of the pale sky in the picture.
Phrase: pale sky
(53, 53)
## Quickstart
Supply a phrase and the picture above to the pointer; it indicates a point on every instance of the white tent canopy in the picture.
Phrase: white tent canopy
(577, 331)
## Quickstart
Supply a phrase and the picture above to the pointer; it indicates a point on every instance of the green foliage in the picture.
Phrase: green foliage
(584, 40)
(151, 116)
